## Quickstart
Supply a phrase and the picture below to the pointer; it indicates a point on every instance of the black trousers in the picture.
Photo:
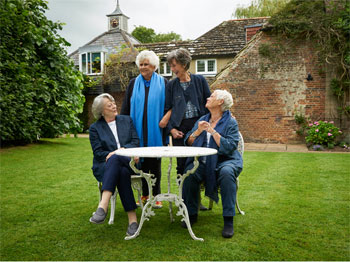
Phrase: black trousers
(185, 126)
(153, 166)
(118, 174)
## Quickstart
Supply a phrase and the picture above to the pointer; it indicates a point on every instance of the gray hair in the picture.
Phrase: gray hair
(150, 56)
(97, 105)
(181, 56)
(227, 97)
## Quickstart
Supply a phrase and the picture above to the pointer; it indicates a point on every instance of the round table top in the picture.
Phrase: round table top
(167, 151)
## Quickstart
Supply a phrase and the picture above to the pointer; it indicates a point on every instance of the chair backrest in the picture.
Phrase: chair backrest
(240, 147)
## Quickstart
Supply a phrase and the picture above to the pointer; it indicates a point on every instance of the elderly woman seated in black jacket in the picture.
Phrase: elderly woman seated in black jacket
(218, 130)
(110, 133)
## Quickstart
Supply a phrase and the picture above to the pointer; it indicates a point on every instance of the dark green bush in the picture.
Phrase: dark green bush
(40, 88)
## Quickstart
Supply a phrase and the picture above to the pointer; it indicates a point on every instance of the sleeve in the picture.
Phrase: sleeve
(229, 140)
(168, 104)
(134, 139)
(99, 153)
(126, 102)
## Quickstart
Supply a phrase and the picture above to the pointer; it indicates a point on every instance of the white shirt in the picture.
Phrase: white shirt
(113, 127)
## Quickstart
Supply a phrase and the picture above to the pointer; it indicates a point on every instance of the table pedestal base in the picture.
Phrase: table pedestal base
(147, 212)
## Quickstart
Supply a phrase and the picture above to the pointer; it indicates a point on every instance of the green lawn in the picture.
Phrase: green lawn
(297, 208)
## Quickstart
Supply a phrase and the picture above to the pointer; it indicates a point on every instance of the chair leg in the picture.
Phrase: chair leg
(237, 205)
(113, 200)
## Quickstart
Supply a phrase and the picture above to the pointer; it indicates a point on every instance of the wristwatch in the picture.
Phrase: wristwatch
(193, 135)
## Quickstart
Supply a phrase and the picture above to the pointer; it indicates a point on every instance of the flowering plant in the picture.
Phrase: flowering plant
(322, 133)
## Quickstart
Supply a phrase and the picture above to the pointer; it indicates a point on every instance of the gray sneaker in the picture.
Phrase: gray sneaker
(132, 228)
(99, 216)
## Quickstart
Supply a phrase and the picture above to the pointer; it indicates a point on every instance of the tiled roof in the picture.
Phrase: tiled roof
(110, 40)
(228, 38)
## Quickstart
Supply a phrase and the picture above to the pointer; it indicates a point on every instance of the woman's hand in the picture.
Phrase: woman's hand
(176, 133)
(110, 154)
(203, 126)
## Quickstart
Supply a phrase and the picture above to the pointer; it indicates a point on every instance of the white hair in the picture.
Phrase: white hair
(150, 56)
(97, 105)
(227, 97)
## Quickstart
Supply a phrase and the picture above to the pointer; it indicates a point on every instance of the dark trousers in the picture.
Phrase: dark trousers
(152, 166)
(185, 126)
(118, 174)
(228, 187)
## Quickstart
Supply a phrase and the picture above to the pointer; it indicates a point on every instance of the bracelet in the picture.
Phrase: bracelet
(213, 133)
(193, 135)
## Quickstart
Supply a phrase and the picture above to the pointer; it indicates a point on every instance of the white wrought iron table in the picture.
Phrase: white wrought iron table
(164, 151)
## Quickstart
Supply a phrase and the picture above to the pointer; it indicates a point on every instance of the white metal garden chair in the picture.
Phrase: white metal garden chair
(136, 184)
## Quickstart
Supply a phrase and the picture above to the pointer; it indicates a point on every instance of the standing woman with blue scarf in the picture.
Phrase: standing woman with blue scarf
(218, 130)
(144, 102)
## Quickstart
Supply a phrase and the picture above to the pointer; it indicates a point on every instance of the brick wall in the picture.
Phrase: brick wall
(267, 91)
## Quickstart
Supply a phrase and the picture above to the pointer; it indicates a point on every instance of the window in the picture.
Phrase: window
(92, 63)
(207, 66)
(164, 69)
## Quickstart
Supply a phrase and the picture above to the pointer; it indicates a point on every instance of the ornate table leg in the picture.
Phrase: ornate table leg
(147, 209)
(180, 203)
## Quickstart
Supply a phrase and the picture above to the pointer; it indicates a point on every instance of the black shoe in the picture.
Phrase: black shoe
(132, 228)
(203, 208)
(227, 231)
(193, 219)
(99, 216)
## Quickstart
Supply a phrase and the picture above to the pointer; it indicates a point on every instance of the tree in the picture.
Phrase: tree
(260, 8)
(120, 67)
(148, 35)
(41, 91)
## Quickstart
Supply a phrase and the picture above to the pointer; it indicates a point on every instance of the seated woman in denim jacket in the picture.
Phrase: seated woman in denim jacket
(218, 130)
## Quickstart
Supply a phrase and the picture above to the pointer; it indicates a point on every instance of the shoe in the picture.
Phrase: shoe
(132, 228)
(203, 208)
(193, 219)
(158, 205)
(99, 216)
(143, 199)
(227, 232)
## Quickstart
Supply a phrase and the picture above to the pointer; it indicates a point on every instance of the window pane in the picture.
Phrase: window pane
(168, 71)
(211, 65)
(200, 66)
(83, 63)
(161, 68)
(96, 63)
(89, 63)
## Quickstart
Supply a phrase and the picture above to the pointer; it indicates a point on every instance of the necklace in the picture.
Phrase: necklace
(213, 121)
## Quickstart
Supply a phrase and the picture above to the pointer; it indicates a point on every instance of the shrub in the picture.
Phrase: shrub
(41, 91)
(322, 133)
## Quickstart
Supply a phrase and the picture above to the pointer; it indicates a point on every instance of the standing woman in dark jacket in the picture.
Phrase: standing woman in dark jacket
(110, 133)
(144, 102)
(186, 97)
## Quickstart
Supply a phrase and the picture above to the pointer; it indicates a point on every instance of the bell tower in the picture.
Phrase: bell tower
(117, 20)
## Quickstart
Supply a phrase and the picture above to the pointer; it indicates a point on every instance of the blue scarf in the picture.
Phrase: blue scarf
(211, 188)
(155, 108)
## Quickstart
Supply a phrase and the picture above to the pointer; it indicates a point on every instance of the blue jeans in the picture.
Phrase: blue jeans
(226, 180)
(118, 174)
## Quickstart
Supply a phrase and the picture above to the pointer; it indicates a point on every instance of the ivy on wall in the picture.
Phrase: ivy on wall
(327, 24)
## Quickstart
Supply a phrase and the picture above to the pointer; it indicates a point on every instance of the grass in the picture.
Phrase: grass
(297, 208)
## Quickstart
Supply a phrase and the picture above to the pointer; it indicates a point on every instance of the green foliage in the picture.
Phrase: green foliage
(120, 67)
(322, 133)
(292, 201)
(40, 88)
(328, 26)
(148, 35)
(260, 8)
